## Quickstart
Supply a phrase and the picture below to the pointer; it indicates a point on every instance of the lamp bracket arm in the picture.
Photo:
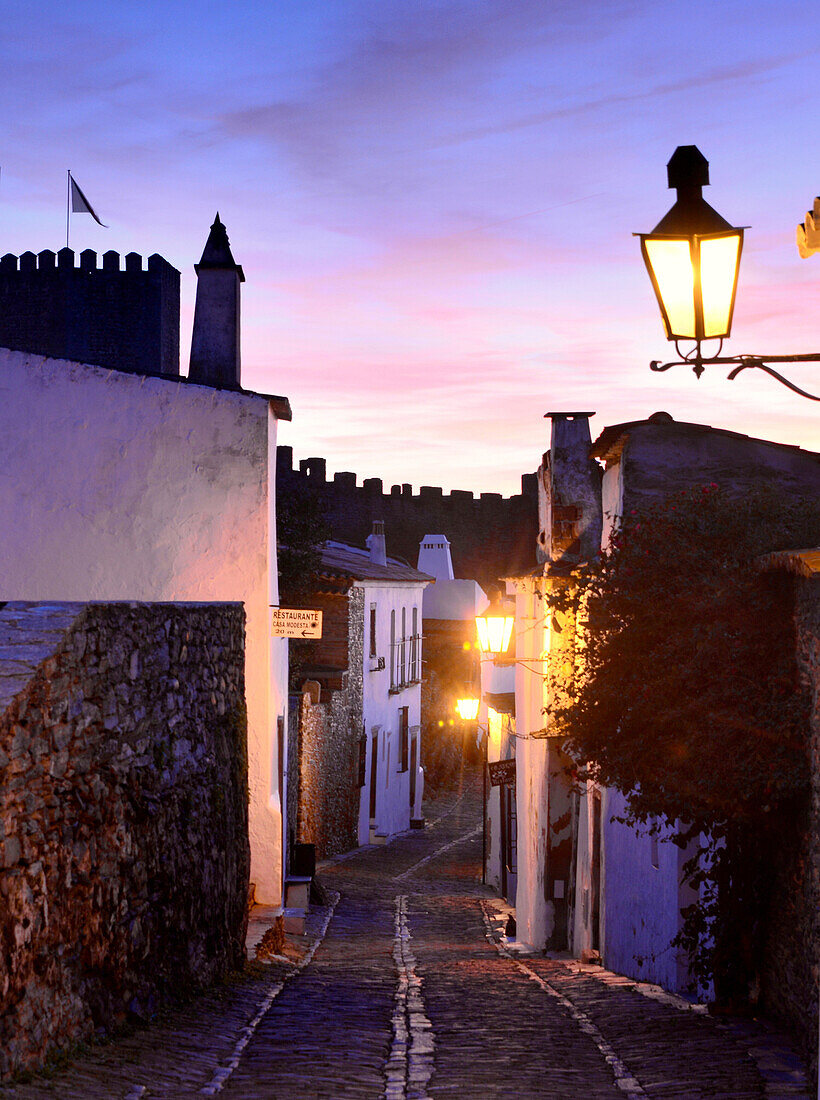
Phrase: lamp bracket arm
(744, 362)
(750, 361)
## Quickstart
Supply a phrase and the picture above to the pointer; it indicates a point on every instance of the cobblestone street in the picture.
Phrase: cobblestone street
(404, 987)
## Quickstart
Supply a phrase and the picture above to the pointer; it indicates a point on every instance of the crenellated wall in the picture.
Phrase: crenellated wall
(101, 313)
(491, 536)
(124, 859)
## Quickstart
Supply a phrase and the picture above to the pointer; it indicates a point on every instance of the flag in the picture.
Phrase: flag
(80, 204)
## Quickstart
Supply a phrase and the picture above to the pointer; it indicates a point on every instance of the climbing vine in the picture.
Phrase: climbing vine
(684, 695)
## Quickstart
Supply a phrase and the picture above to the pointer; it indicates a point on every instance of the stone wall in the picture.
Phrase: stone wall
(791, 971)
(328, 746)
(491, 536)
(125, 320)
(328, 794)
(123, 813)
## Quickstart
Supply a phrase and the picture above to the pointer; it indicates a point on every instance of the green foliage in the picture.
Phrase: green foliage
(685, 694)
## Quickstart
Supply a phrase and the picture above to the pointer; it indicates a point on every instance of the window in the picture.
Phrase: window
(373, 652)
(393, 652)
(362, 757)
(404, 738)
(403, 649)
(415, 648)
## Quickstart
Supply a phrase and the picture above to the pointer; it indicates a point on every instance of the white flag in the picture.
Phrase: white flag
(80, 204)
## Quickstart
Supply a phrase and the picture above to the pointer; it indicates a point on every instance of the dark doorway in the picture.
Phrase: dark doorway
(414, 764)
(596, 871)
(374, 761)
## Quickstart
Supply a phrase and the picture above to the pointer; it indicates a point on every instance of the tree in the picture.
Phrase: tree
(685, 696)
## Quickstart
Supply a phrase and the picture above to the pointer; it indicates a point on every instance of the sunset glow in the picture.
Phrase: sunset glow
(433, 201)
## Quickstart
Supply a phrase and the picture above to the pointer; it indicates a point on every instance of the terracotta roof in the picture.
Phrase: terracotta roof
(806, 563)
(609, 443)
(340, 560)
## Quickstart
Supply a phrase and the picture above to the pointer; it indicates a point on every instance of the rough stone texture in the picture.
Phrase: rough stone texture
(328, 748)
(384, 1003)
(491, 536)
(123, 813)
(791, 970)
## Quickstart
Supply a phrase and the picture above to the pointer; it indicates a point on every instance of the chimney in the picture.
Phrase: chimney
(376, 544)
(215, 338)
(434, 557)
(569, 492)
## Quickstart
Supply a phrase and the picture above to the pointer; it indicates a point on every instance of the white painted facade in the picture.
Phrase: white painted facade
(498, 727)
(638, 876)
(391, 698)
(116, 486)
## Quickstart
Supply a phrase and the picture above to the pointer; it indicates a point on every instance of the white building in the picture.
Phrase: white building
(587, 881)
(121, 486)
(372, 645)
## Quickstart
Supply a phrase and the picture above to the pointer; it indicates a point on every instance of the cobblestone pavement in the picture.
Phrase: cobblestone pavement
(403, 987)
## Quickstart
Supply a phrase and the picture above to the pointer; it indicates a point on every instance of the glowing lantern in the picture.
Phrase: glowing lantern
(692, 256)
(494, 630)
(467, 709)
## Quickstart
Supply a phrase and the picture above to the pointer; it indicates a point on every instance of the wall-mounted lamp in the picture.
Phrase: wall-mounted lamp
(693, 256)
(494, 630)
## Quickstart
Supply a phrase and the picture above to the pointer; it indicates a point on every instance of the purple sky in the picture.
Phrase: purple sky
(433, 201)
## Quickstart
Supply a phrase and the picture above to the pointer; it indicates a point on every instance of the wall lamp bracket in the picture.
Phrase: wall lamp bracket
(698, 362)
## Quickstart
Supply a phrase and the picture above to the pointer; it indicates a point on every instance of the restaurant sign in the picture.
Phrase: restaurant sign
(501, 772)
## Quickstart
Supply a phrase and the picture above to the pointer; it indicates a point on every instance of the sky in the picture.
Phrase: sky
(433, 201)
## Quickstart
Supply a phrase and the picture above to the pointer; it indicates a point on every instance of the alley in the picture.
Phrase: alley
(407, 989)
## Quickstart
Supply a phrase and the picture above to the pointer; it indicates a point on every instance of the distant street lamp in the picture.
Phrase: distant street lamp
(692, 256)
(467, 709)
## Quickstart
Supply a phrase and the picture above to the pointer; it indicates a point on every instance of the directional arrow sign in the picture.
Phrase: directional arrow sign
(287, 622)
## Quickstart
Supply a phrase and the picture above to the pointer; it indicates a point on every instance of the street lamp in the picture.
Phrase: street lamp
(494, 630)
(692, 256)
(467, 709)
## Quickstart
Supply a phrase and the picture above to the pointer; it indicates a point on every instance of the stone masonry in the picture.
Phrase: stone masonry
(328, 748)
(791, 968)
(124, 859)
(123, 319)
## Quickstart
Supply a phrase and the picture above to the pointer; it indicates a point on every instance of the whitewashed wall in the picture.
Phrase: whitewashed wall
(381, 709)
(116, 486)
(642, 897)
(534, 917)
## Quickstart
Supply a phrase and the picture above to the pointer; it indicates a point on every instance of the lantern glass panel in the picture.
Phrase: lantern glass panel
(673, 276)
(719, 258)
(494, 632)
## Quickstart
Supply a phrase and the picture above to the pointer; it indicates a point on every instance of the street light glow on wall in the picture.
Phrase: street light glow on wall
(693, 257)
(467, 709)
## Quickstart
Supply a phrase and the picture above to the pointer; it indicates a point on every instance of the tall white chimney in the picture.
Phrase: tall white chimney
(376, 544)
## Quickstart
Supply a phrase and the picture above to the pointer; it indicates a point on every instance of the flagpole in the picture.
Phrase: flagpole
(67, 203)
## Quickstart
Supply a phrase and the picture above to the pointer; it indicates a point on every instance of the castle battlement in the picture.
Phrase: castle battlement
(64, 260)
(113, 311)
(492, 536)
(314, 472)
